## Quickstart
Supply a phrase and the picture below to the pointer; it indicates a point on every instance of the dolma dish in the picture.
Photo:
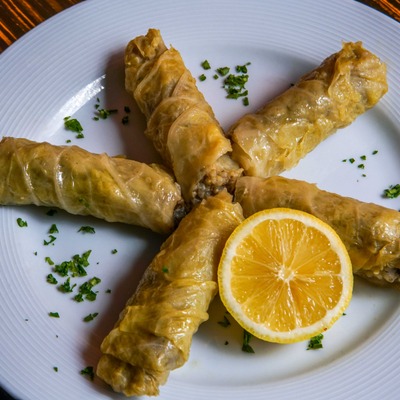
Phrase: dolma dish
(332, 96)
(180, 122)
(370, 232)
(82, 183)
(154, 332)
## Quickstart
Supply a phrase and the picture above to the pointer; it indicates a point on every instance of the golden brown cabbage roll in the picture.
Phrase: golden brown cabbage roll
(83, 183)
(180, 122)
(154, 332)
(288, 127)
(371, 233)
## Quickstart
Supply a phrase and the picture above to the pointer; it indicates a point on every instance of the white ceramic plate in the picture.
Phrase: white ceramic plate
(61, 68)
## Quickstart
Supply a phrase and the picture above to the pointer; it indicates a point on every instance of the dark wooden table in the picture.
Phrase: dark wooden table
(19, 16)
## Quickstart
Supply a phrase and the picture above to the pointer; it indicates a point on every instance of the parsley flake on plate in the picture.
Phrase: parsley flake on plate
(21, 223)
(50, 279)
(66, 286)
(89, 372)
(86, 292)
(51, 240)
(72, 124)
(90, 317)
(49, 261)
(53, 229)
(86, 229)
(206, 65)
(315, 342)
(392, 192)
(246, 342)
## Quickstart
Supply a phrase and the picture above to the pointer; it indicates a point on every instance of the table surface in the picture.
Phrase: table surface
(19, 16)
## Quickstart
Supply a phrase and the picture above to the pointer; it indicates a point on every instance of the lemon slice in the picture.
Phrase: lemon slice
(285, 275)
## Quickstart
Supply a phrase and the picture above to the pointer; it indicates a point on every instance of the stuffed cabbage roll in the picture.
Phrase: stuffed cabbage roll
(371, 233)
(180, 122)
(83, 183)
(154, 332)
(276, 137)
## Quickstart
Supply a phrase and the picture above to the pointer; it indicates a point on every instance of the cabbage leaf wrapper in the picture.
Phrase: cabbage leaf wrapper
(154, 332)
(180, 123)
(82, 183)
(370, 232)
(288, 127)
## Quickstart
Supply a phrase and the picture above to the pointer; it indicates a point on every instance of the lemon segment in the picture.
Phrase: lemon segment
(285, 275)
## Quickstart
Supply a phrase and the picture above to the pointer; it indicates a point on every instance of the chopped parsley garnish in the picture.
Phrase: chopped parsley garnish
(89, 372)
(235, 86)
(83, 259)
(315, 342)
(63, 268)
(86, 292)
(72, 124)
(90, 317)
(66, 286)
(392, 192)
(246, 340)
(223, 71)
(50, 279)
(54, 314)
(165, 269)
(206, 65)
(53, 229)
(103, 113)
(52, 238)
(363, 157)
(55, 369)
(242, 68)
(21, 223)
(114, 251)
(49, 261)
(86, 229)
(225, 322)
(74, 267)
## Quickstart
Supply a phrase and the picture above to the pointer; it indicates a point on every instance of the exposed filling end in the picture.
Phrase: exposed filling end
(221, 175)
